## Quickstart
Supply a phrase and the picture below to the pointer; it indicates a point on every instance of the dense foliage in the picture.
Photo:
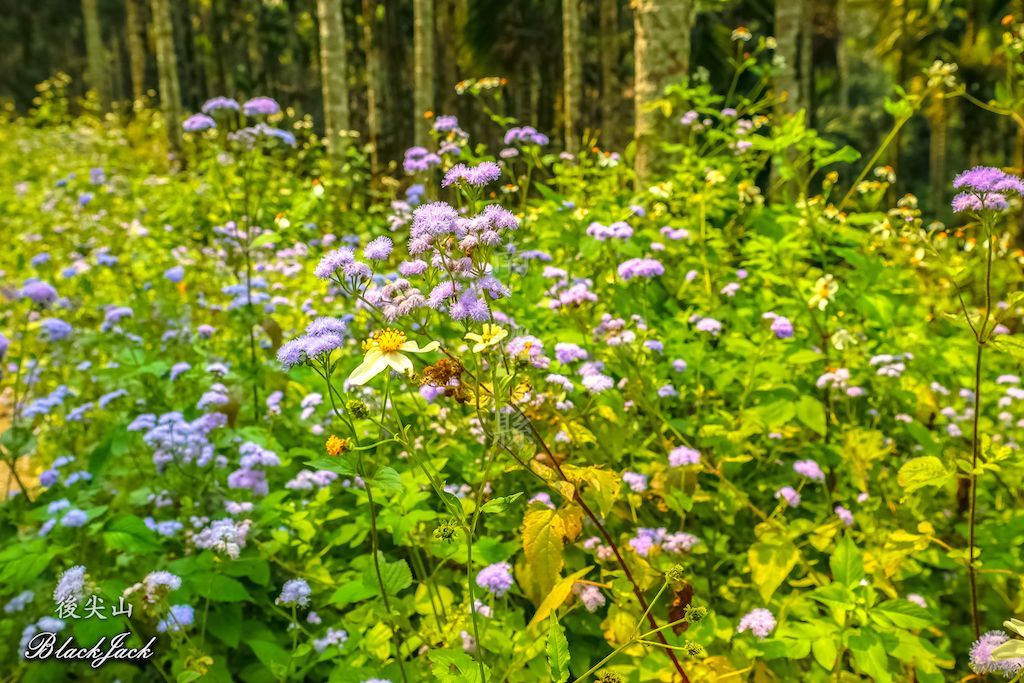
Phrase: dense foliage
(511, 415)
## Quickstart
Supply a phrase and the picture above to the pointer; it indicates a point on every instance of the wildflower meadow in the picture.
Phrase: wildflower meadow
(534, 385)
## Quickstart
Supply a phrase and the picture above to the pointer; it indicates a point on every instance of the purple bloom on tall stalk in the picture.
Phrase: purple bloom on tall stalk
(809, 469)
(782, 328)
(981, 660)
(261, 106)
(217, 104)
(495, 578)
(640, 267)
(985, 188)
(198, 123)
(760, 622)
(295, 593)
(378, 249)
(39, 292)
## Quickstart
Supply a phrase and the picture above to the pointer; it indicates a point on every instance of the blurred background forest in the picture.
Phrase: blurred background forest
(567, 68)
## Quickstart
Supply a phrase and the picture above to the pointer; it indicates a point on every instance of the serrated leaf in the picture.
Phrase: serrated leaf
(496, 505)
(770, 564)
(558, 652)
(919, 472)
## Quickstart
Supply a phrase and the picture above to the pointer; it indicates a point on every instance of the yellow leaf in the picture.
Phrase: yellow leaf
(543, 531)
(557, 596)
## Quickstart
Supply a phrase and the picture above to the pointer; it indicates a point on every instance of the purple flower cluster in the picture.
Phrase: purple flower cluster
(261, 106)
(683, 456)
(640, 267)
(322, 336)
(981, 660)
(620, 230)
(482, 174)
(419, 159)
(809, 469)
(223, 535)
(174, 439)
(198, 123)
(295, 593)
(495, 578)
(985, 188)
(219, 104)
(41, 293)
(760, 622)
(525, 135)
(250, 474)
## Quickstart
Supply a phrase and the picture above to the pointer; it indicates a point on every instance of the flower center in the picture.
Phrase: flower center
(389, 340)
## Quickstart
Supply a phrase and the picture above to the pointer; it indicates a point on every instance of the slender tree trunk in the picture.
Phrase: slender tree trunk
(423, 76)
(448, 25)
(610, 90)
(167, 68)
(661, 56)
(95, 53)
(842, 56)
(333, 79)
(572, 81)
(372, 85)
(136, 48)
(787, 33)
(938, 144)
(807, 59)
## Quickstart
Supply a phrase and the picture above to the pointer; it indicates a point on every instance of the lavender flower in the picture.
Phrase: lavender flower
(640, 267)
(683, 456)
(296, 592)
(809, 469)
(495, 578)
(378, 249)
(261, 106)
(759, 621)
(70, 585)
(782, 328)
(981, 656)
(54, 329)
(215, 105)
(39, 292)
(788, 494)
(198, 123)
(178, 617)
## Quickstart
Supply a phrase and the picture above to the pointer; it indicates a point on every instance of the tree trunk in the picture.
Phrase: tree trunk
(938, 144)
(807, 60)
(167, 69)
(787, 34)
(423, 72)
(610, 99)
(842, 56)
(136, 49)
(95, 53)
(572, 82)
(448, 24)
(333, 79)
(372, 85)
(662, 55)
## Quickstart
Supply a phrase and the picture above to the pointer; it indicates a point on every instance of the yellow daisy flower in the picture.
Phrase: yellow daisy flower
(384, 350)
(489, 336)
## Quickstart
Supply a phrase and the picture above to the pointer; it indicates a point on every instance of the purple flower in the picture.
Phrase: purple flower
(325, 325)
(983, 179)
(526, 135)
(54, 329)
(782, 328)
(965, 201)
(445, 123)
(788, 494)
(295, 593)
(709, 325)
(636, 482)
(495, 578)
(70, 585)
(178, 368)
(981, 656)
(640, 267)
(683, 456)
(477, 176)
(198, 123)
(419, 159)
(217, 104)
(759, 621)
(591, 596)
(74, 518)
(178, 617)
(175, 274)
(261, 106)
(378, 249)
(809, 469)
(333, 261)
(39, 292)
(567, 353)
(844, 514)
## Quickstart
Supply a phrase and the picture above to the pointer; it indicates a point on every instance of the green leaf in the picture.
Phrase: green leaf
(337, 465)
(264, 239)
(387, 480)
(811, 412)
(395, 576)
(558, 652)
(903, 613)
(825, 652)
(225, 622)
(219, 588)
(1011, 649)
(916, 473)
(846, 563)
(496, 505)
(452, 666)
(870, 655)
(272, 656)
(770, 564)
(130, 534)
(354, 591)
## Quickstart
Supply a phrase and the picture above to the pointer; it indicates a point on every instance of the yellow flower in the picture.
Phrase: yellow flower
(336, 445)
(824, 289)
(489, 336)
(383, 352)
